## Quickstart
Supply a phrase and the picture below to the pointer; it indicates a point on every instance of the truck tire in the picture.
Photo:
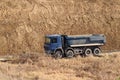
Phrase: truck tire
(88, 52)
(96, 51)
(58, 54)
(69, 53)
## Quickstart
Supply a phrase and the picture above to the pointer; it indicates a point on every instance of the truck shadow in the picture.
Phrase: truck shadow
(98, 55)
(84, 56)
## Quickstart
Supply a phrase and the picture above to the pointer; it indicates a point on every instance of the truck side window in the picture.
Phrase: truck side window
(54, 40)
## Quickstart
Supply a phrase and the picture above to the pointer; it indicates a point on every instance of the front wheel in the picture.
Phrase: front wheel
(58, 54)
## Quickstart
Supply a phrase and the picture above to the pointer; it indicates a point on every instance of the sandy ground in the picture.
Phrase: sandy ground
(24, 23)
(104, 67)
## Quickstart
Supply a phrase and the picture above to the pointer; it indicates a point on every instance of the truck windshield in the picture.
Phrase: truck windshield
(50, 40)
(47, 40)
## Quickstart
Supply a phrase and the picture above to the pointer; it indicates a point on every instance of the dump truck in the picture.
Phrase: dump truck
(71, 45)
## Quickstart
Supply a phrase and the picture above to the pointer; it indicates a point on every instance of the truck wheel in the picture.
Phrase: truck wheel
(58, 54)
(96, 51)
(87, 52)
(69, 54)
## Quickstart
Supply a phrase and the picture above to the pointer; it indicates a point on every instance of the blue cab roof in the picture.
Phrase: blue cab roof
(53, 35)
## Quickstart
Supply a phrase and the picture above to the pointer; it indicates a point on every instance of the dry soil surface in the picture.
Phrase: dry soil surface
(24, 23)
(104, 67)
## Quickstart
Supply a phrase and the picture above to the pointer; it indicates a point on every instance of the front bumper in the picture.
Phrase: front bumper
(49, 52)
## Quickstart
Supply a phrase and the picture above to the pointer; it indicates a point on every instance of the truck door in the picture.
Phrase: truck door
(56, 42)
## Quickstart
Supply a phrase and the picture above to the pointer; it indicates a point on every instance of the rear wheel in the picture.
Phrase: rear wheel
(69, 53)
(88, 52)
(58, 54)
(96, 51)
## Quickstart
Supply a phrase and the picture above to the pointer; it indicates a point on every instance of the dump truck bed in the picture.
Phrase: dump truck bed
(86, 40)
(80, 45)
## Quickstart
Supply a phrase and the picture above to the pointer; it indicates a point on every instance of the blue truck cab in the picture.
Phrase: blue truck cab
(52, 42)
(70, 45)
